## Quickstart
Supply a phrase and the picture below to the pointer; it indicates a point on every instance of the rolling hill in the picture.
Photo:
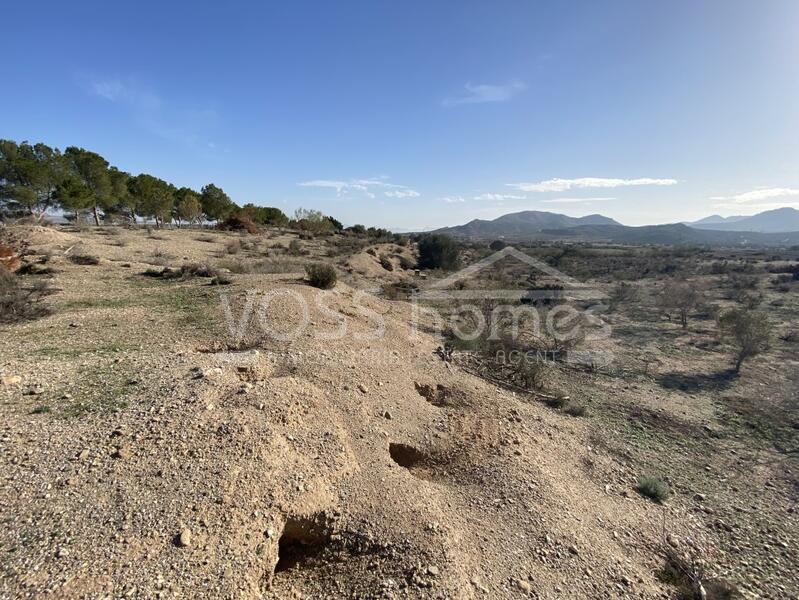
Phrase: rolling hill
(779, 220)
(523, 223)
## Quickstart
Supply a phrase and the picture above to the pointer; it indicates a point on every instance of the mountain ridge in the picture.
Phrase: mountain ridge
(714, 230)
(778, 220)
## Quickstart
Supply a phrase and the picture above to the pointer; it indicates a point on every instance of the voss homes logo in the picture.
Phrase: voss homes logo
(556, 314)
(553, 316)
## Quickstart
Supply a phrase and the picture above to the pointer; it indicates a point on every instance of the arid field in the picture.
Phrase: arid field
(175, 425)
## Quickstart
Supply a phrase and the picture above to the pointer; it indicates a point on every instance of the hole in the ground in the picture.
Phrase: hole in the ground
(437, 396)
(406, 456)
(302, 540)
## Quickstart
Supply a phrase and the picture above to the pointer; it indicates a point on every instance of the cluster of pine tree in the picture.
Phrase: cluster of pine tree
(35, 179)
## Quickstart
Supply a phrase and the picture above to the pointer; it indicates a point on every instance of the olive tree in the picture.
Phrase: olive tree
(749, 331)
(680, 296)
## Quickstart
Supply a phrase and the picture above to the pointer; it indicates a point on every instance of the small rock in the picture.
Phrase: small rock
(10, 380)
(524, 585)
(122, 452)
(387, 415)
(363, 388)
(433, 570)
(700, 497)
(62, 553)
(213, 373)
(84, 454)
(573, 549)
(184, 540)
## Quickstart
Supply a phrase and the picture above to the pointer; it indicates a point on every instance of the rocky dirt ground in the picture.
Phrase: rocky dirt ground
(144, 452)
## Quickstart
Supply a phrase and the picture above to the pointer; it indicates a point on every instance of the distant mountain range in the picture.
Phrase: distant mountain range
(715, 219)
(771, 228)
(779, 220)
(523, 223)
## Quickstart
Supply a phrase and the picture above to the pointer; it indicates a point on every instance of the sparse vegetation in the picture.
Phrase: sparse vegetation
(654, 488)
(682, 297)
(406, 262)
(84, 259)
(18, 302)
(750, 333)
(385, 262)
(321, 276)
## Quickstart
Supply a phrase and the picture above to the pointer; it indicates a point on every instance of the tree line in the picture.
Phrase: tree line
(36, 179)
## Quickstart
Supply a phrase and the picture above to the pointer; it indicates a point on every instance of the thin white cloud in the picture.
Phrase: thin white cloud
(127, 92)
(184, 125)
(366, 187)
(453, 199)
(758, 195)
(577, 200)
(563, 185)
(402, 194)
(484, 93)
(489, 197)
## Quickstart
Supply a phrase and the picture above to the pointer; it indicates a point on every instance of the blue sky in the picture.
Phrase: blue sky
(417, 114)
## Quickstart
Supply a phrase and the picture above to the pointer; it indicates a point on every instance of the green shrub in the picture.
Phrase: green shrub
(439, 251)
(575, 409)
(321, 276)
(295, 248)
(654, 488)
(749, 331)
(556, 402)
(407, 263)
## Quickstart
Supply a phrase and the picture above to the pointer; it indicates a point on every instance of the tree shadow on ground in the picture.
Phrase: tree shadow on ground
(694, 383)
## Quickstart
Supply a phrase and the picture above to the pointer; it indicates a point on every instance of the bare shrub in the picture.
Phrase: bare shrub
(84, 259)
(385, 262)
(221, 279)
(233, 247)
(623, 292)
(680, 296)
(792, 337)
(18, 303)
(184, 272)
(239, 222)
